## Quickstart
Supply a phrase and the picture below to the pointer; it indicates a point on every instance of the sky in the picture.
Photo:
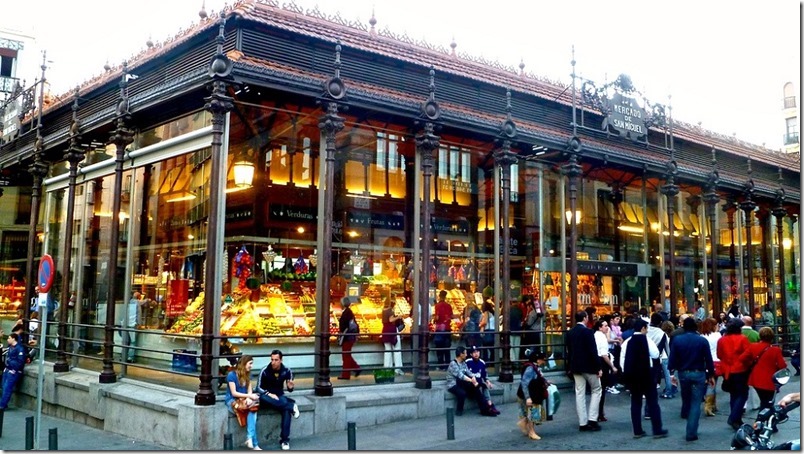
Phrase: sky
(717, 62)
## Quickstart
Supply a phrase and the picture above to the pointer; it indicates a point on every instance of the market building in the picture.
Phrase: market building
(195, 175)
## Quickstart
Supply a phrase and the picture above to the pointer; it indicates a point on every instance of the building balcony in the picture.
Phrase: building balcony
(7, 84)
(790, 139)
(789, 102)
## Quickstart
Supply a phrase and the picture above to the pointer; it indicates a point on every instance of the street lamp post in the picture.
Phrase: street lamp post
(426, 142)
(503, 157)
(218, 103)
(121, 137)
(573, 171)
(75, 154)
(330, 124)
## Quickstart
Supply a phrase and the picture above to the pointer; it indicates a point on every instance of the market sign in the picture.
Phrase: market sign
(625, 117)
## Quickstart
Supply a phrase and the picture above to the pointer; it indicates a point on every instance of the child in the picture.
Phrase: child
(478, 368)
(531, 394)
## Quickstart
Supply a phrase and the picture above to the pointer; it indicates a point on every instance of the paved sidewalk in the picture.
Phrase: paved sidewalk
(72, 436)
(472, 431)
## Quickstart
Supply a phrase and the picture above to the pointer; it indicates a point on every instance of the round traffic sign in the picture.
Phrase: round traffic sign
(47, 272)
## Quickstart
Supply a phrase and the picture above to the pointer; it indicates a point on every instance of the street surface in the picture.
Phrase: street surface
(472, 431)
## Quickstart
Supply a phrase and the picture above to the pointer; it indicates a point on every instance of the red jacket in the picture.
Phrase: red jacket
(771, 360)
(729, 350)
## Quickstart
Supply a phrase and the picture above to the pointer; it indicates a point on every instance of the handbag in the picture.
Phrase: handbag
(242, 406)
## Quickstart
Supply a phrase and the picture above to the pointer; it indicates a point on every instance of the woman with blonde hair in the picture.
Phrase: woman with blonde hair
(238, 385)
(709, 330)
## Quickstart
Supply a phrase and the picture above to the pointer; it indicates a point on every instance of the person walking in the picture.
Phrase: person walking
(274, 378)
(442, 319)
(710, 332)
(12, 373)
(390, 338)
(662, 341)
(692, 359)
(606, 363)
(462, 384)
(583, 364)
(488, 325)
(735, 371)
(767, 359)
(347, 325)
(238, 386)
(530, 324)
(636, 361)
(516, 315)
(530, 394)
(748, 329)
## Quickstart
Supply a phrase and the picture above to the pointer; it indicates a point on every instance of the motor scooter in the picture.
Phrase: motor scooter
(757, 437)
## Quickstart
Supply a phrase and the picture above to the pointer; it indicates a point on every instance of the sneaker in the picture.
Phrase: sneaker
(612, 390)
(640, 435)
(295, 411)
(285, 446)
(661, 434)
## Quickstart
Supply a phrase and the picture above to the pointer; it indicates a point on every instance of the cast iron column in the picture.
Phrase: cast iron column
(730, 208)
(670, 190)
(426, 142)
(121, 138)
(330, 123)
(616, 198)
(503, 157)
(748, 206)
(218, 103)
(74, 155)
(780, 212)
(573, 171)
(712, 198)
(38, 169)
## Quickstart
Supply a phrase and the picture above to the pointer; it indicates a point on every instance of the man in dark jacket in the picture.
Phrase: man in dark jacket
(636, 358)
(692, 358)
(270, 386)
(584, 365)
(15, 362)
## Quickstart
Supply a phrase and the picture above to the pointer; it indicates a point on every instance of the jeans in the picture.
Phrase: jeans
(284, 406)
(652, 409)
(668, 386)
(739, 396)
(9, 382)
(581, 381)
(765, 398)
(516, 341)
(349, 363)
(251, 423)
(693, 388)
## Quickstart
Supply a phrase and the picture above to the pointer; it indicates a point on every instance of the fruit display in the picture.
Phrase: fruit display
(280, 312)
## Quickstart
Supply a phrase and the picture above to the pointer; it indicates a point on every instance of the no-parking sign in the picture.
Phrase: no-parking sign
(47, 273)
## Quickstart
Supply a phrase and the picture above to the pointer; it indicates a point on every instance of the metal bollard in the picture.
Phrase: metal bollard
(227, 442)
(29, 430)
(450, 423)
(53, 439)
(2, 414)
(351, 436)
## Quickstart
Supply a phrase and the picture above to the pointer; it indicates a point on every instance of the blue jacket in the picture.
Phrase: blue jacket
(15, 359)
(271, 381)
(478, 369)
